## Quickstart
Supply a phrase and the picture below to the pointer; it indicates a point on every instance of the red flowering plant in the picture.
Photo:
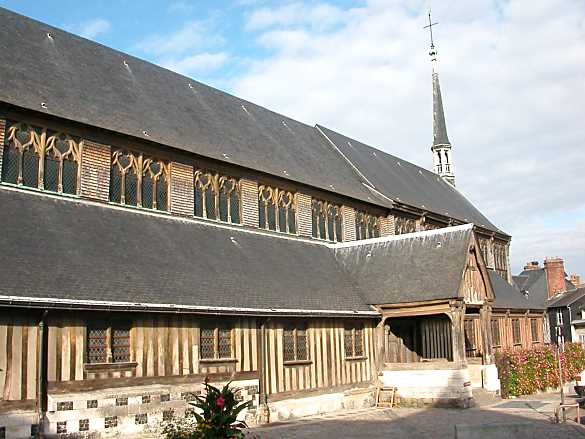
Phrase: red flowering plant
(526, 371)
(216, 416)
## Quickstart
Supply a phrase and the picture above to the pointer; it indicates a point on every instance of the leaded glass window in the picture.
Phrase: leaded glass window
(404, 224)
(136, 180)
(217, 197)
(277, 209)
(215, 343)
(43, 159)
(353, 341)
(366, 226)
(327, 220)
(500, 259)
(516, 336)
(108, 343)
(295, 343)
(495, 328)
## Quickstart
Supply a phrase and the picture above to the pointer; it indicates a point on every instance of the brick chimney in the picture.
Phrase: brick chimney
(531, 265)
(555, 275)
(575, 279)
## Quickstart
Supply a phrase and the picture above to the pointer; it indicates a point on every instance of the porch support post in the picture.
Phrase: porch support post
(457, 315)
(485, 317)
(380, 346)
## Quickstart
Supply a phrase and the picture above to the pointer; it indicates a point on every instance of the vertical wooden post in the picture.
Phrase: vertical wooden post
(457, 315)
(379, 347)
(485, 317)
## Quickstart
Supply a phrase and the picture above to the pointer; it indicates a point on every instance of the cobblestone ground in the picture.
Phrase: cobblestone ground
(425, 423)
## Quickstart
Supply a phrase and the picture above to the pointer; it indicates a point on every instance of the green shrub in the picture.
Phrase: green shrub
(526, 371)
(214, 416)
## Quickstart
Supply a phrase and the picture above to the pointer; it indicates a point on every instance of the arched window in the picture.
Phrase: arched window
(38, 158)
(327, 220)
(366, 226)
(139, 181)
(404, 225)
(217, 197)
(277, 209)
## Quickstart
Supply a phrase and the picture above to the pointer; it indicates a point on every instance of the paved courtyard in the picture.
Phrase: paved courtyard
(426, 423)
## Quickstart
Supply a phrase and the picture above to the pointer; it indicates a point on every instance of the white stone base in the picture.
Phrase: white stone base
(491, 382)
(321, 404)
(18, 423)
(431, 386)
(137, 409)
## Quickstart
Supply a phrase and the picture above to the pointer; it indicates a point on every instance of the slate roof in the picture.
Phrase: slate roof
(567, 298)
(510, 297)
(420, 266)
(127, 95)
(439, 126)
(406, 183)
(62, 249)
(534, 281)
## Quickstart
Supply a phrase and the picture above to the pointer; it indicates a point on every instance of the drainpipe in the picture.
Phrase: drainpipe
(263, 416)
(41, 388)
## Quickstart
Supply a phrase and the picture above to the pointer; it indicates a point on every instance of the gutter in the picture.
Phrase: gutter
(93, 305)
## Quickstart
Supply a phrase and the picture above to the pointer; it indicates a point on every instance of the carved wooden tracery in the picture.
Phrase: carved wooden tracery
(277, 209)
(40, 158)
(404, 224)
(366, 226)
(217, 197)
(139, 181)
(327, 220)
(500, 259)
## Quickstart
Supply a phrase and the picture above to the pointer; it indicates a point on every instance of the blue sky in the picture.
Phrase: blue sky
(511, 73)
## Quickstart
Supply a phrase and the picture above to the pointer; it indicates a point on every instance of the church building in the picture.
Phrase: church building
(157, 231)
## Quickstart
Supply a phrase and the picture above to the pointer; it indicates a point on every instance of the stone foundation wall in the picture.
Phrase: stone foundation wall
(18, 424)
(436, 387)
(320, 404)
(130, 410)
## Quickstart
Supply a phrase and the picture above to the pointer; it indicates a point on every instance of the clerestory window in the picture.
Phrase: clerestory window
(327, 220)
(277, 209)
(217, 197)
(366, 226)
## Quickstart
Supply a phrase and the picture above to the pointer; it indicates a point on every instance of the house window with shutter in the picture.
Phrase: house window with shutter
(40, 158)
(108, 343)
(353, 341)
(295, 343)
(215, 343)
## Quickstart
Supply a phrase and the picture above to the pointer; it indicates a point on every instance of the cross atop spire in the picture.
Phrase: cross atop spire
(441, 148)
(430, 26)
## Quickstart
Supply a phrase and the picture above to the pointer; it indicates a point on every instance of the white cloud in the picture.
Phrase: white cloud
(512, 83)
(93, 28)
(200, 63)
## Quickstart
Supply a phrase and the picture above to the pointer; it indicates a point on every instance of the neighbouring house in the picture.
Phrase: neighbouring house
(548, 286)
(157, 231)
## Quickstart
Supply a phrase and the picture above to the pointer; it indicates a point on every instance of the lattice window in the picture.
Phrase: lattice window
(327, 220)
(277, 209)
(534, 330)
(404, 224)
(516, 335)
(141, 181)
(353, 341)
(495, 328)
(217, 197)
(366, 226)
(108, 344)
(40, 158)
(215, 343)
(500, 260)
(484, 247)
(295, 343)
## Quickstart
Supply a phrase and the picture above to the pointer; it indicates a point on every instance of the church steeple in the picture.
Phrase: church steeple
(442, 159)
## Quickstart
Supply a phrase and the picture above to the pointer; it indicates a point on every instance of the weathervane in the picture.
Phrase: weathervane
(430, 26)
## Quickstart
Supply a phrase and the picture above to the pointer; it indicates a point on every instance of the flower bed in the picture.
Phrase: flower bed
(527, 371)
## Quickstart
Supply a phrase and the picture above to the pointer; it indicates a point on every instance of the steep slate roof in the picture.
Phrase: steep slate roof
(407, 183)
(419, 266)
(63, 249)
(534, 281)
(510, 296)
(89, 83)
(567, 298)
